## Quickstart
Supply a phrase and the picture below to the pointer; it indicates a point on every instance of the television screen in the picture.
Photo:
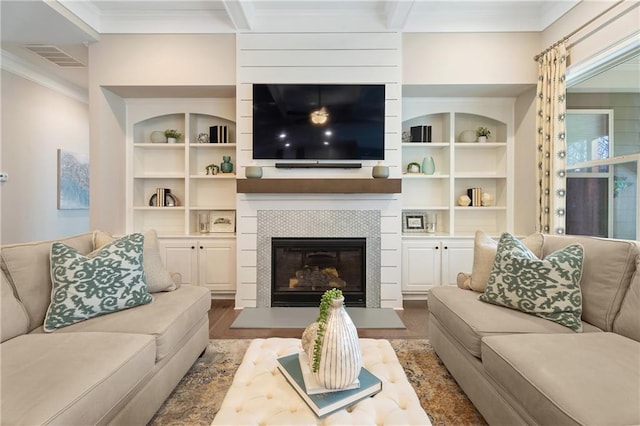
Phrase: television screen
(318, 121)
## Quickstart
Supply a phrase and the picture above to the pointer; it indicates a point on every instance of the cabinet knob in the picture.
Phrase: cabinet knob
(201, 247)
(445, 247)
(437, 247)
(193, 247)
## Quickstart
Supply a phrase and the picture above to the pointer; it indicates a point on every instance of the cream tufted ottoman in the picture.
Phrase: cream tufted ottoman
(260, 395)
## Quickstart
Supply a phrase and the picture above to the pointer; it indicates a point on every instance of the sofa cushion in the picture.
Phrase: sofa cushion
(469, 320)
(548, 288)
(484, 253)
(627, 322)
(106, 281)
(14, 318)
(168, 318)
(28, 269)
(588, 378)
(158, 279)
(608, 267)
(73, 378)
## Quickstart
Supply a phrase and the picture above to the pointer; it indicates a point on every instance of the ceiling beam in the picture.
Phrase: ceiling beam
(241, 12)
(397, 13)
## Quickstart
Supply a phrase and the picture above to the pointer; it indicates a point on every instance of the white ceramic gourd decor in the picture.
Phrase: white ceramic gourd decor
(340, 353)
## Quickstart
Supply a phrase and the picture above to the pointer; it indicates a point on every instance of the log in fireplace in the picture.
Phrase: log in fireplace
(304, 268)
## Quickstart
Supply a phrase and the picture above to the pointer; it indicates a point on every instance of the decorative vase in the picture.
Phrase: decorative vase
(380, 171)
(172, 140)
(340, 355)
(482, 139)
(428, 166)
(253, 172)
(226, 166)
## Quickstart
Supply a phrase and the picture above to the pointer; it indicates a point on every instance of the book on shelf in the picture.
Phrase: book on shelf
(323, 404)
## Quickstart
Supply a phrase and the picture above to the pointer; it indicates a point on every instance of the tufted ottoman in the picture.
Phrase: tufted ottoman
(260, 395)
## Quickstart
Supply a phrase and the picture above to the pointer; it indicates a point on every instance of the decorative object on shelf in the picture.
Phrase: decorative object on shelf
(222, 221)
(253, 172)
(163, 198)
(203, 138)
(380, 171)
(483, 134)
(158, 137)
(226, 166)
(212, 169)
(464, 200)
(172, 135)
(414, 221)
(467, 136)
(332, 345)
(432, 220)
(413, 168)
(406, 136)
(475, 194)
(219, 134)
(428, 165)
(420, 133)
(486, 199)
(204, 222)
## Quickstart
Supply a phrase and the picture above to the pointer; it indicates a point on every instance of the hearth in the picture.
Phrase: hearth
(304, 268)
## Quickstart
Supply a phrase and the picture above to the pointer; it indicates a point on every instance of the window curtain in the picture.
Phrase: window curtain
(551, 126)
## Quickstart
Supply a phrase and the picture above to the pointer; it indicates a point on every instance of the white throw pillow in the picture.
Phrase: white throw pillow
(158, 279)
(484, 252)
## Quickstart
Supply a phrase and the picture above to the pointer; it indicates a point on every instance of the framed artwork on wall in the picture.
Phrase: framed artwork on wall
(73, 180)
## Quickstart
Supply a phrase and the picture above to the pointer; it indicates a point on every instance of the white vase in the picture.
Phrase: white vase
(341, 356)
(172, 140)
(482, 139)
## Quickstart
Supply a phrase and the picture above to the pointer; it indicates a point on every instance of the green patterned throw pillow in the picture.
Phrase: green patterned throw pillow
(548, 288)
(105, 281)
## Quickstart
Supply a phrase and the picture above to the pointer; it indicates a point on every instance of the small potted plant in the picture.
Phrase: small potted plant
(483, 134)
(172, 135)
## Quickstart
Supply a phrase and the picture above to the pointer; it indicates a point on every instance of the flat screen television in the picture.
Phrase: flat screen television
(318, 121)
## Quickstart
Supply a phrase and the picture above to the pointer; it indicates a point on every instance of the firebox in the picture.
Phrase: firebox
(304, 268)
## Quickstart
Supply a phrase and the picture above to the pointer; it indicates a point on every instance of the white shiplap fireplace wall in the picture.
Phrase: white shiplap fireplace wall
(325, 58)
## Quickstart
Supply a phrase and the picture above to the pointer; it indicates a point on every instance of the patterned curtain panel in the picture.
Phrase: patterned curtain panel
(550, 122)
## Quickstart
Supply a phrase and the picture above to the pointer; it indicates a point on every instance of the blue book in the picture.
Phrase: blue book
(323, 404)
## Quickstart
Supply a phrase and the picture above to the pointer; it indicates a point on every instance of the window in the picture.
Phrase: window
(603, 153)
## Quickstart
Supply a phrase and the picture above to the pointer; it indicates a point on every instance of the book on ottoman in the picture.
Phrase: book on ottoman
(326, 403)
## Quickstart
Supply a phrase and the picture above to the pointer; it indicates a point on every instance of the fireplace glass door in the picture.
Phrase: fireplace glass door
(304, 268)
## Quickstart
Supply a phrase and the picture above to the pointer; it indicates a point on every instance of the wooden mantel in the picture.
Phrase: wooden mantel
(319, 186)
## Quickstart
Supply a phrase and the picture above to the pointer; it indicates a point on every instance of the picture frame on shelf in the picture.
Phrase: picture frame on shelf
(414, 221)
(222, 221)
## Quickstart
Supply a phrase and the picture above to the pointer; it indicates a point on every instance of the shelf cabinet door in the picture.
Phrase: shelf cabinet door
(457, 256)
(217, 264)
(421, 266)
(181, 256)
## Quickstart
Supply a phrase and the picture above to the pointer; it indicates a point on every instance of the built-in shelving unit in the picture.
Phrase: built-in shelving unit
(179, 167)
(461, 162)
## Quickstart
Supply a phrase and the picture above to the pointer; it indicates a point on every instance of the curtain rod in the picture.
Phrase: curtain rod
(580, 28)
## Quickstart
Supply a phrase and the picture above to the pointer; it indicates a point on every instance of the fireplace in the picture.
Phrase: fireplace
(304, 268)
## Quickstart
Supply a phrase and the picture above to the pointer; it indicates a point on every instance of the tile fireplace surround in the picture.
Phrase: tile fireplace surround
(318, 224)
(374, 217)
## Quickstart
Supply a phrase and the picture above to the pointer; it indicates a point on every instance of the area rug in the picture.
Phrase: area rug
(198, 396)
(296, 317)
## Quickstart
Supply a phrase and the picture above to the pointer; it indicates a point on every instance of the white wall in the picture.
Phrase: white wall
(36, 122)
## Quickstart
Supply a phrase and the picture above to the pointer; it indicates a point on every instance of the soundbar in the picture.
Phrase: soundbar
(318, 165)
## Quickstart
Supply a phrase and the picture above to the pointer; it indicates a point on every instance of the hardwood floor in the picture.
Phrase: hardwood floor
(415, 317)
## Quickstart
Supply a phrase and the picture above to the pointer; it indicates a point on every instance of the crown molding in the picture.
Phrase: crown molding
(25, 69)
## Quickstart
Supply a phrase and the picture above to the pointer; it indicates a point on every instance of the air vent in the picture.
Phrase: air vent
(55, 55)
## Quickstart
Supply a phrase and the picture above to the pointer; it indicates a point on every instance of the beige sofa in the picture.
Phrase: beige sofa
(112, 369)
(521, 369)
